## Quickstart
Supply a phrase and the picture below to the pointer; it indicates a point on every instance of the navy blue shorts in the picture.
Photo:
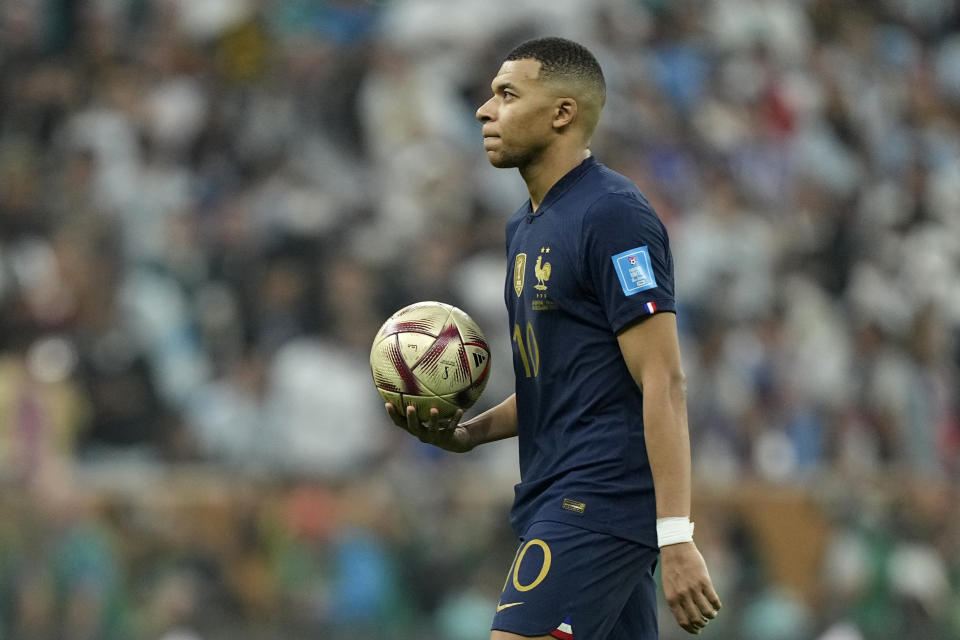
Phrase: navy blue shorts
(575, 584)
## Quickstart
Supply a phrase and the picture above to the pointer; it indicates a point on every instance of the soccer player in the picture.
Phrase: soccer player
(599, 408)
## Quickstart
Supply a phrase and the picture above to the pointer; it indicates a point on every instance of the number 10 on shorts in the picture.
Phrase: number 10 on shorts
(514, 572)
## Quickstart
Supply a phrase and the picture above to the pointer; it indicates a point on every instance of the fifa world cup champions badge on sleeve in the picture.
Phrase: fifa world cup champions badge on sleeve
(634, 270)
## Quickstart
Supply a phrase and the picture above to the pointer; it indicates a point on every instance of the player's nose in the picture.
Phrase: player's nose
(485, 112)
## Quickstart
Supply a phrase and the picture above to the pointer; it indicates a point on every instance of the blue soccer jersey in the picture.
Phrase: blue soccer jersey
(593, 259)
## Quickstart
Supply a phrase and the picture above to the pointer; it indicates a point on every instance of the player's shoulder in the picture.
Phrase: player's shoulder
(619, 208)
(617, 195)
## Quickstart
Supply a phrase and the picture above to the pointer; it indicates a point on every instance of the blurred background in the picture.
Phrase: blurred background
(207, 208)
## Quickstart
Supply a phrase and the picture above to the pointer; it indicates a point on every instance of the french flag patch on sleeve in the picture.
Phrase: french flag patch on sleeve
(564, 631)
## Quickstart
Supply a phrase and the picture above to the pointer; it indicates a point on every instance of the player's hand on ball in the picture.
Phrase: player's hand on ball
(687, 586)
(448, 434)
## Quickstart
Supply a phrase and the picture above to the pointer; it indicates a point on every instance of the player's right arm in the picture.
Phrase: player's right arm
(496, 423)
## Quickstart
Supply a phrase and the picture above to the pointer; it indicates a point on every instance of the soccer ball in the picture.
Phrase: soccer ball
(430, 354)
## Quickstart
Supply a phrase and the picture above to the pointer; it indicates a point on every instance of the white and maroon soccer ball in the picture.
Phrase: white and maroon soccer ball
(430, 354)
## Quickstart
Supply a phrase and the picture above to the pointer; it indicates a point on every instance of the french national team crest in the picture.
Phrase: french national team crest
(634, 270)
(519, 268)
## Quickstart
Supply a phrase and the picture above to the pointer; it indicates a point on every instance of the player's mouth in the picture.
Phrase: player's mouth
(489, 139)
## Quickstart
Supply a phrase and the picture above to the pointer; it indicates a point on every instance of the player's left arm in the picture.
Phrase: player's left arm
(651, 351)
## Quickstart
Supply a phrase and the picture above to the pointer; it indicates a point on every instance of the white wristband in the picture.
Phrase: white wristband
(674, 531)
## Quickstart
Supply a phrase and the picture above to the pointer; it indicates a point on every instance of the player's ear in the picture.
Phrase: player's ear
(565, 112)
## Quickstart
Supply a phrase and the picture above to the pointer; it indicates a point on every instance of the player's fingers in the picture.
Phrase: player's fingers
(392, 412)
(435, 429)
(432, 431)
(689, 627)
(693, 613)
(413, 422)
(398, 419)
(704, 607)
(681, 617)
(687, 617)
(713, 598)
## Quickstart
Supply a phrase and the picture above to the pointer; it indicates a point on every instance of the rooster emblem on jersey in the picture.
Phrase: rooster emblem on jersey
(542, 270)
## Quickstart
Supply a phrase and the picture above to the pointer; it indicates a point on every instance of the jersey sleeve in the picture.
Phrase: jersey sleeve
(626, 260)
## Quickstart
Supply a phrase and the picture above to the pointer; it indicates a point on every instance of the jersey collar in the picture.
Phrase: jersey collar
(561, 186)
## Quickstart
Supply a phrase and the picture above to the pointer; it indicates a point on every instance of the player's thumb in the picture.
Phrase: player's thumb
(462, 437)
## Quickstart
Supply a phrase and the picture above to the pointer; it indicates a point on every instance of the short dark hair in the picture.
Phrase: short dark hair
(561, 57)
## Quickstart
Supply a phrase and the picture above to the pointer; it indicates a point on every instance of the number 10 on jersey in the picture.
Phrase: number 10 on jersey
(529, 352)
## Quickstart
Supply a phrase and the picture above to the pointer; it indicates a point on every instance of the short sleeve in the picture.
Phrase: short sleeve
(626, 259)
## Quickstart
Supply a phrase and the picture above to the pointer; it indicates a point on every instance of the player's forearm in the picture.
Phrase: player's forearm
(496, 423)
(668, 443)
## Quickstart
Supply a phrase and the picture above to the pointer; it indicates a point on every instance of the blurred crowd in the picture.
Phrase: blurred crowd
(207, 208)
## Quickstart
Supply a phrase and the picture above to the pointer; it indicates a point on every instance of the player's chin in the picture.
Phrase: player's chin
(500, 161)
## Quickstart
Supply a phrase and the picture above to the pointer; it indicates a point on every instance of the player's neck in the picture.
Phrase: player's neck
(541, 175)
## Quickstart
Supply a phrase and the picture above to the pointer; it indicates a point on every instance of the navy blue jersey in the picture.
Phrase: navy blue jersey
(593, 259)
